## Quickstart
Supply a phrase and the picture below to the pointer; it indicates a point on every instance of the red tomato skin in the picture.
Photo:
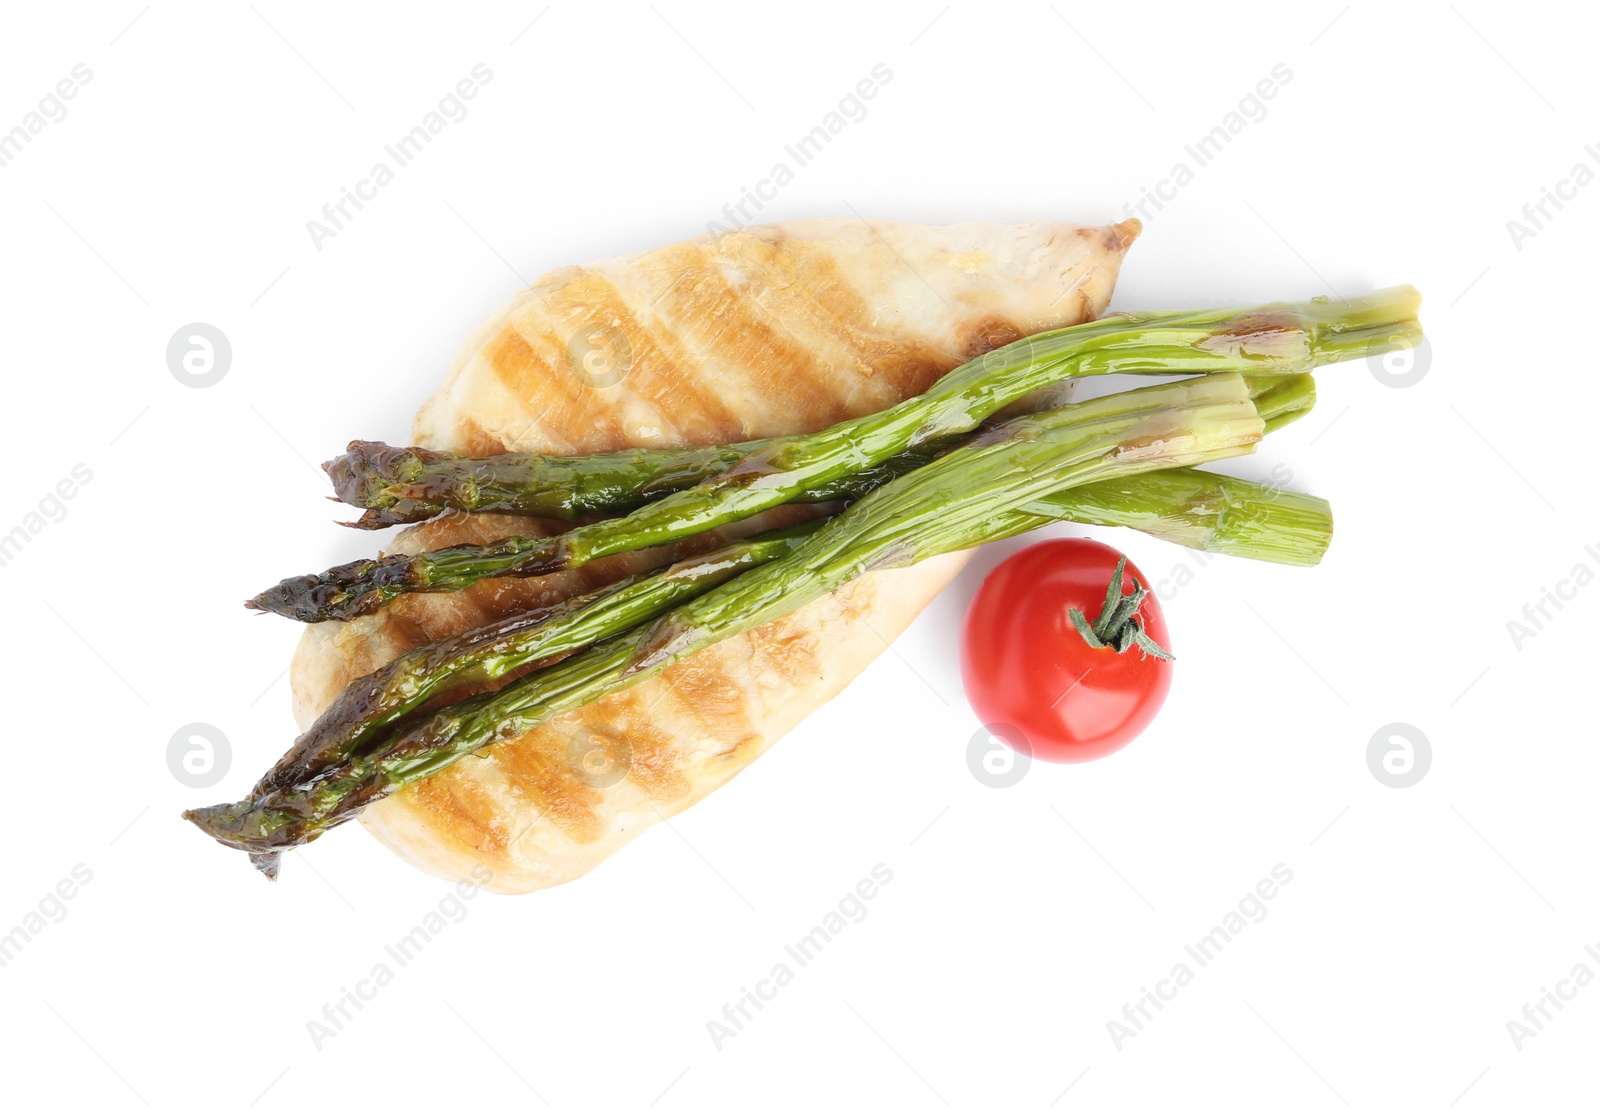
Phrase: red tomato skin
(1023, 663)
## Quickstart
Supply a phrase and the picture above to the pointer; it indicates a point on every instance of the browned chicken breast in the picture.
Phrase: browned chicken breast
(785, 328)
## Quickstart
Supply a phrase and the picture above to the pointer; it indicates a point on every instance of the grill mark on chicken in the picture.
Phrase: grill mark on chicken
(650, 755)
(658, 388)
(531, 359)
(537, 764)
(888, 366)
(794, 288)
(471, 809)
(712, 696)
(691, 406)
(774, 378)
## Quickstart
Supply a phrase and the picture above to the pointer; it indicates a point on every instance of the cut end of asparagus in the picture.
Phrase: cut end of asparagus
(1284, 528)
(1292, 337)
(1222, 422)
(1364, 326)
(1204, 511)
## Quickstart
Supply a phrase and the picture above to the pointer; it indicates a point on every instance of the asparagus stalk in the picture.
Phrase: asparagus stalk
(1277, 339)
(1197, 509)
(966, 497)
(399, 486)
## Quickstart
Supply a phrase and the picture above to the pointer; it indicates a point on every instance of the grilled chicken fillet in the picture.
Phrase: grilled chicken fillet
(770, 330)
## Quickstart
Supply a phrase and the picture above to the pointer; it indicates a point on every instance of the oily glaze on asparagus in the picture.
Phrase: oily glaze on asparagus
(966, 497)
(1285, 338)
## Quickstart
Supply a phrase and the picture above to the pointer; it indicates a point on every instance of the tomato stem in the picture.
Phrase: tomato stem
(1118, 626)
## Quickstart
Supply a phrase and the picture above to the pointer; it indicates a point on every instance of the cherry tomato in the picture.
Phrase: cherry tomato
(1029, 664)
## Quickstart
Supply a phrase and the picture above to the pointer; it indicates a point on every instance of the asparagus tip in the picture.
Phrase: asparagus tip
(268, 863)
(338, 594)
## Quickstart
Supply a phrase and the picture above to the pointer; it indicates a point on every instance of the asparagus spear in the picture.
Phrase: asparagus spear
(1212, 513)
(966, 497)
(1277, 339)
(398, 486)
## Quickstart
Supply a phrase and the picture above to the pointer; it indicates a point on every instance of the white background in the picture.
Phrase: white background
(1019, 921)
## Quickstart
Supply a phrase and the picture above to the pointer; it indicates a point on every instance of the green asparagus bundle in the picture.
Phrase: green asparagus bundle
(1186, 506)
(1281, 339)
(1213, 513)
(980, 491)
